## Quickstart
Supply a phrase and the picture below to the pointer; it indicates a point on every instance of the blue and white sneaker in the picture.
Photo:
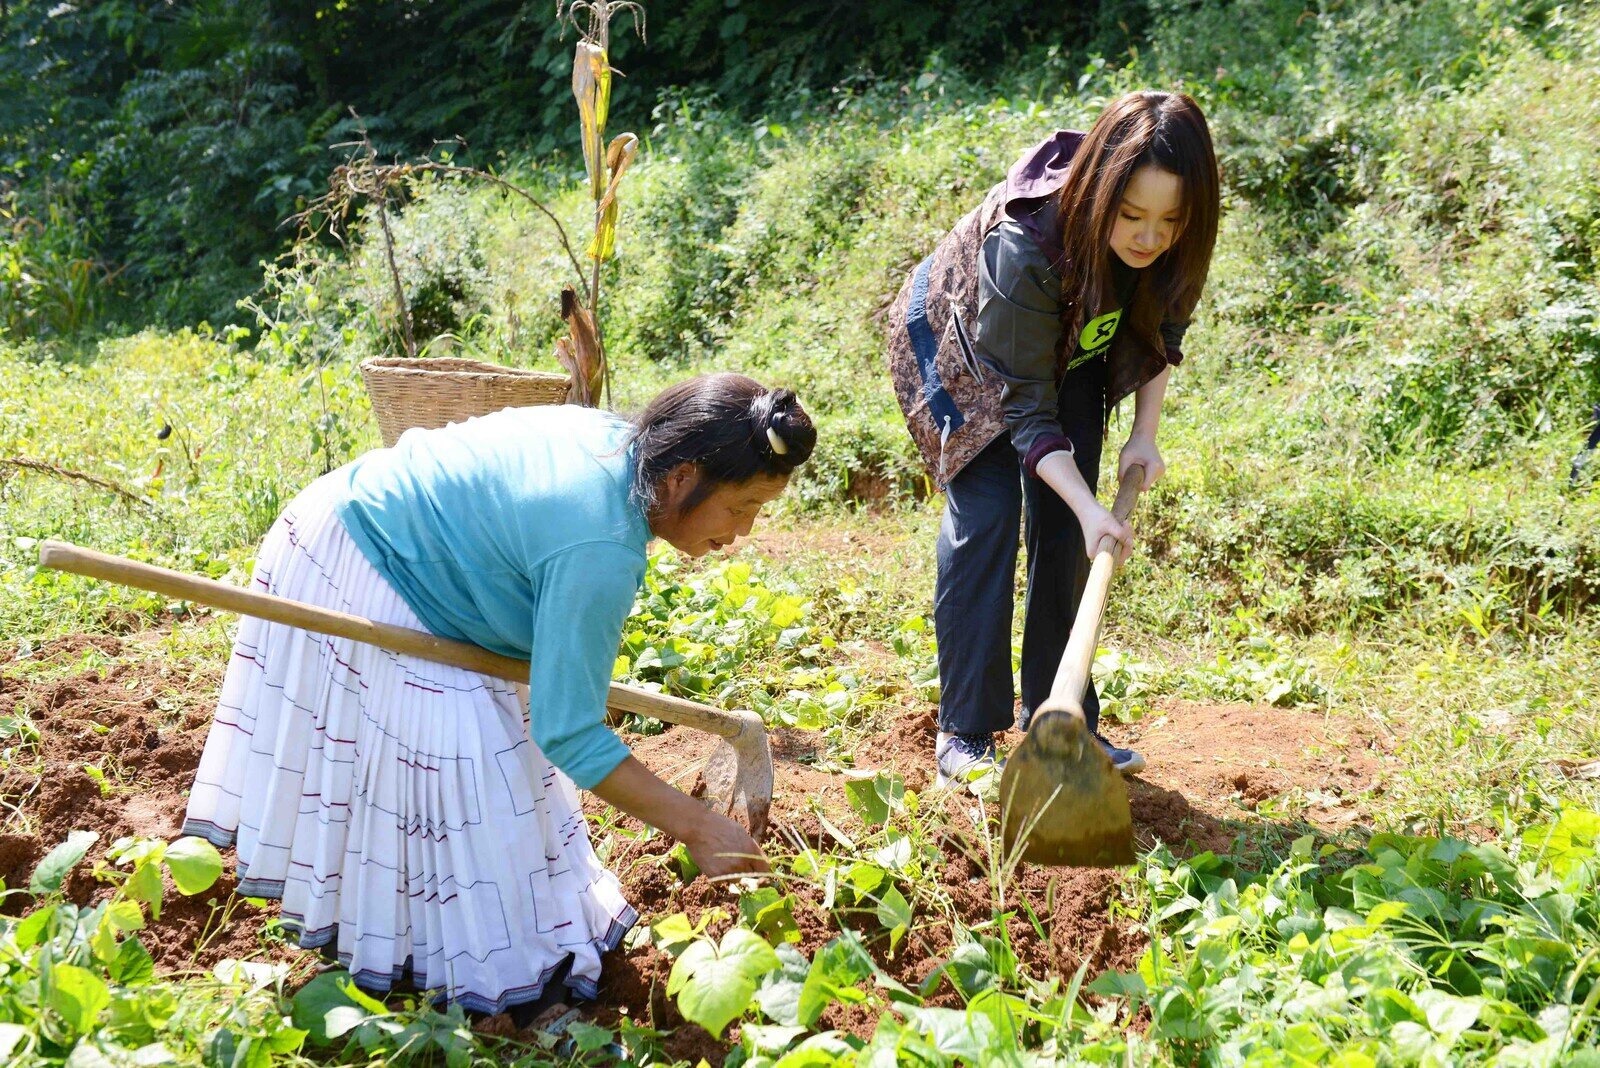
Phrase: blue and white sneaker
(964, 757)
(1124, 760)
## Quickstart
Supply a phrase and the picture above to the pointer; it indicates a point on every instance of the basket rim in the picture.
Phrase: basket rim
(459, 366)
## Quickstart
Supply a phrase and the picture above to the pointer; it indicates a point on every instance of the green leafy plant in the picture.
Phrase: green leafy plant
(714, 981)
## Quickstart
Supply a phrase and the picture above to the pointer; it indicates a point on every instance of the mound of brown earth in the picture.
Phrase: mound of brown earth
(141, 728)
(1212, 767)
(1220, 778)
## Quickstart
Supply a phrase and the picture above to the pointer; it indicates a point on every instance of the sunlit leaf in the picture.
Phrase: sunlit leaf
(52, 870)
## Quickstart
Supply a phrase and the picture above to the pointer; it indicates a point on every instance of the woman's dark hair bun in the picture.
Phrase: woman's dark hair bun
(729, 426)
(781, 429)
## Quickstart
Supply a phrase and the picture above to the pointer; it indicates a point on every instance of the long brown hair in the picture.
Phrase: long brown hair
(1165, 130)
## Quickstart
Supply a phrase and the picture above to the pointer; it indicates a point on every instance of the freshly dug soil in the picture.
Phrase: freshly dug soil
(142, 724)
(1221, 777)
(1212, 767)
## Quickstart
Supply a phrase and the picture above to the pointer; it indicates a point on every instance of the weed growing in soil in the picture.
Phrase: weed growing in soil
(78, 986)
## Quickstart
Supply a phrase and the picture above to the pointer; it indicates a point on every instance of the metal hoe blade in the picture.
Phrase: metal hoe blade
(1061, 799)
(738, 774)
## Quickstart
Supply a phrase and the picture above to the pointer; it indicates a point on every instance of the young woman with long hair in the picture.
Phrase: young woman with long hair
(1069, 288)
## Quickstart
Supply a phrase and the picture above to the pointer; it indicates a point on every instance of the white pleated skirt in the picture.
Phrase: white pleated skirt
(397, 807)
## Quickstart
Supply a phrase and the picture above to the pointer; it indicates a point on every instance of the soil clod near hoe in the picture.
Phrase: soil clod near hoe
(1221, 777)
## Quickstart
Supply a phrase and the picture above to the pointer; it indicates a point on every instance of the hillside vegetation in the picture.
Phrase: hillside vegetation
(1368, 514)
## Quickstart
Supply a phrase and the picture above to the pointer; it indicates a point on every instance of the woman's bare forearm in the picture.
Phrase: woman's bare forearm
(635, 789)
(1147, 402)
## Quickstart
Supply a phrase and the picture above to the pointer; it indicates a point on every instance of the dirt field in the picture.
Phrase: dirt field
(1220, 777)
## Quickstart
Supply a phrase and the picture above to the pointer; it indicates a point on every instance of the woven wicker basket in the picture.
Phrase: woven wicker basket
(434, 391)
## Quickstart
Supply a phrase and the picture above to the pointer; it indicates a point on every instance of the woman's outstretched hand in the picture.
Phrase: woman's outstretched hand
(720, 847)
(717, 844)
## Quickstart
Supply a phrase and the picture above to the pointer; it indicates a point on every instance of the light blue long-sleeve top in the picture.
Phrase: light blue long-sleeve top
(515, 531)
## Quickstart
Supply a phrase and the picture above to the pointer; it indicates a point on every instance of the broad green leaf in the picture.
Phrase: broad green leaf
(286, 1040)
(689, 961)
(103, 940)
(780, 1001)
(838, 966)
(324, 1011)
(968, 1036)
(895, 853)
(78, 995)
(779, 993)
(194, 863)
(1388, 910)
(768, 1038)
(588, 1038)
(771, 914)
(714, 984)
(145, 885)
(827, 1050)
(1008, 1013)
(865, 878)
(52, 870)
(30, 931)
(717, 992)
(873, 799)
(1448, 1015)
(750, 951)
(894, 912)
(673, 933)
(133, 965)
(125, 916)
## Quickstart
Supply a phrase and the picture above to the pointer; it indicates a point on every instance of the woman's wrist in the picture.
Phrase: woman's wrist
(1059, 470)
(1145, 435)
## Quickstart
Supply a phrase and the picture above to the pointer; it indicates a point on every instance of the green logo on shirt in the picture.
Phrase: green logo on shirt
(1098, 333)
(1095, 337)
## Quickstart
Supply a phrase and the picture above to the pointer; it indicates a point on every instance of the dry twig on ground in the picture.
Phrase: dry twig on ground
(23, 463)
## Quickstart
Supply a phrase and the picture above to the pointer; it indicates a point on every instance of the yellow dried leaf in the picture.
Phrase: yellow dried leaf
(591, 87)
(618, 156)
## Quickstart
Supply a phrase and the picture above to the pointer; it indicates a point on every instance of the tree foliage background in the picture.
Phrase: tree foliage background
(170, 139)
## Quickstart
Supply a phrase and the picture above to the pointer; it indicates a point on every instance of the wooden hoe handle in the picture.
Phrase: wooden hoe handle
(1072, 677)
(62, 556)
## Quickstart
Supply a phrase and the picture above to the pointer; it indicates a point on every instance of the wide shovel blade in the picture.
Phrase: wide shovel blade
(1061, 798)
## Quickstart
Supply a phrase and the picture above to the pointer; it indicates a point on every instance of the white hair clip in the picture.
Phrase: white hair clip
(779, 446)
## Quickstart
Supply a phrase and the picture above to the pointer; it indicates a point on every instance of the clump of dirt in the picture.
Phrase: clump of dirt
(1214, 768)
(141, 732)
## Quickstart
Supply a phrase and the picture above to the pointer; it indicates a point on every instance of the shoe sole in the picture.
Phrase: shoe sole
(942, 781)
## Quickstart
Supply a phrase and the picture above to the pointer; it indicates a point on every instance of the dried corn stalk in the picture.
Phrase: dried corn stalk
(580, 352)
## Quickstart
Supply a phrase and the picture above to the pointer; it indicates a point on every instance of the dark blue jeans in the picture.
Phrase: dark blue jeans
(977, 565)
